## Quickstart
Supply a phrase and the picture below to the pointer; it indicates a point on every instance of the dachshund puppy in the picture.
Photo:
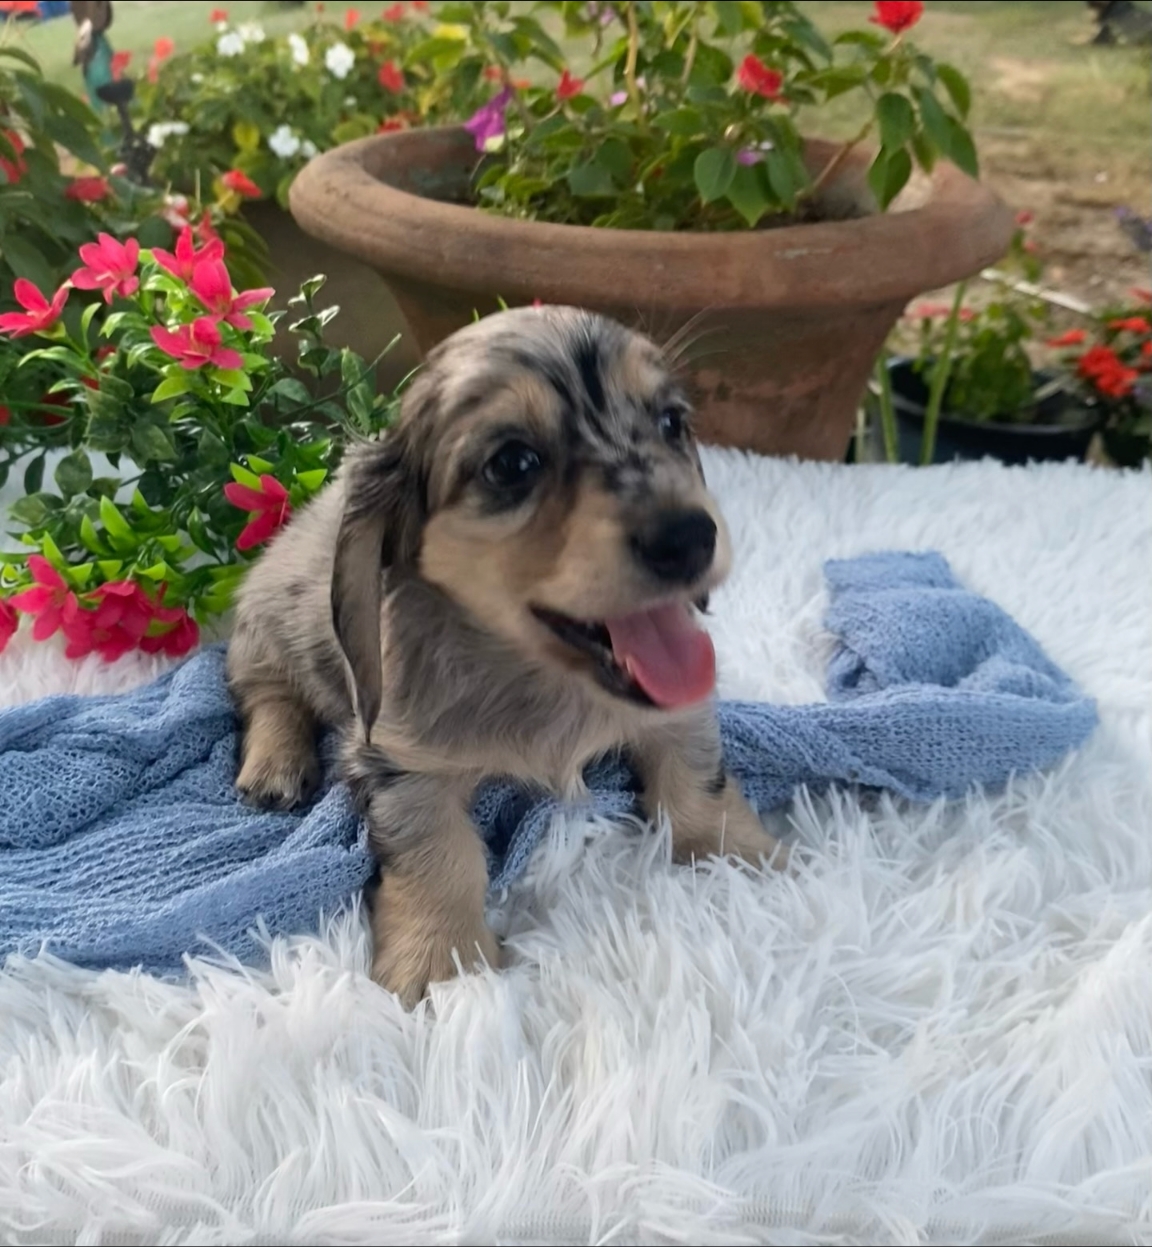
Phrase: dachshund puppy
(505, 584)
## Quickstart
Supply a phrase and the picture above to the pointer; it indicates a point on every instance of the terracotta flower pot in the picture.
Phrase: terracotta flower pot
(788, 321)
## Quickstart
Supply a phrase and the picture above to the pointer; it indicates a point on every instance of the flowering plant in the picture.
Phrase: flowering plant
(1110, 365)
(263, 106)
(180, 443)
(689, 114)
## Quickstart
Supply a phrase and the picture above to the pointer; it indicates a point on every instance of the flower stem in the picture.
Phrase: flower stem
(887, 411)
(940, 375)
(837, 160)
(630, 64)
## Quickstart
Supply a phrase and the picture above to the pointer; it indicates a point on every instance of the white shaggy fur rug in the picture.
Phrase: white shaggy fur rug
(940, 1031)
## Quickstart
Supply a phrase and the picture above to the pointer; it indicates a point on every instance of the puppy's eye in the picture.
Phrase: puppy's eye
(671, 424)
(515, 467)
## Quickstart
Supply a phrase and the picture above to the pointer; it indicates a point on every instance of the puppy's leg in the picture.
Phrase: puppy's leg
(683, 774)
(434, 876)
(279, 767)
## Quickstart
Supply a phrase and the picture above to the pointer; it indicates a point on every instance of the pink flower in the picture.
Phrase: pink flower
(897, 15)
(241, 183)
(9, 622)
(487, 122)
(15, 168)
(748, 156)
(38, 314)
(196, 344)
(1024, 218)
(391, 77)
(180, 634)
(120, 62)
(351, 17)
(211, 284)
(568, 87)
(175, 212)
(269, 506)
(617, 98)
(110, 266)
(754, 76)
(50, 600)
(186, 260)
(87, 190)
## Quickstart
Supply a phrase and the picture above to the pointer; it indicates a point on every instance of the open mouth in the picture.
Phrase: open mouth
(656, 657)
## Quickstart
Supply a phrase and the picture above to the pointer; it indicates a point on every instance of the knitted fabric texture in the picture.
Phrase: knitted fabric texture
(123, 842)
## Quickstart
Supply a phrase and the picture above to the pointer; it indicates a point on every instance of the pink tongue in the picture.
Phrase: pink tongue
(665, 653)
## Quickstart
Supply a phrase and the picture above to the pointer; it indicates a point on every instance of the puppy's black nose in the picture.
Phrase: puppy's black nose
(678, 546)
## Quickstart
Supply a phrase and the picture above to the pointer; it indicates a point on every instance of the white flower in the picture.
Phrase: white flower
(230, 44)
(308, 149)
(160, 130)
(251, 32)
(197, 78)
(339, 60)
(299, 48)
(284, 142)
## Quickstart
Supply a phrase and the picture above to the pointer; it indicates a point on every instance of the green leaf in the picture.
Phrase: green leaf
(962, 149)
(749, 193)
(198, 531)
(590, 181)
(90, 538)
(291, 389)
(119, 532)
(889, 174)
(782, 177)
(957, 87)
(34, 475)
(243, 477)
(897, 120)
(713, 172)
(312, 480)
(172, 386)
(246, 135)
(260, 465)
(232, 378)
(925, 152)
(935, 121)
(616, 157)
(686, 121)
(31, 511)
(52, 553)
(150, 441)
(81, 573)
(74, 473)
(110, 569)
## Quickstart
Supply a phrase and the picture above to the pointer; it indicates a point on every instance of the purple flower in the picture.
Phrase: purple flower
(748, 156)
(487, 122)
(617, 98)
(595, 12)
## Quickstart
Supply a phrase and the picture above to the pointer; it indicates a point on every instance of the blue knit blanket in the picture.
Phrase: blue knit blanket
(123, 843)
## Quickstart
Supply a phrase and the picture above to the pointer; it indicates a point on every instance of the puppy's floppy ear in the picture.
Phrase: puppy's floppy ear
(384, 513)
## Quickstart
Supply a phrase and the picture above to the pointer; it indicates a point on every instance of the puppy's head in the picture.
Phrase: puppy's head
(544, 477)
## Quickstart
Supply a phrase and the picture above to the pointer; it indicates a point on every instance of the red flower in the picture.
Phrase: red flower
(1072, 338)
(391, 77)
(196, 344)
(269, 506)
(110, 266)
(1142, 295)
(5, 415)
(87, 190)
(394, 12)
(1104, 368)
(1130, 324)
(897, 15)
(931, 311)
(163, 48)
(120, 62)
(1024, 218)
(218, 15)
(754, 76)
(493, 73)
(241, 183)
(211, 284)
(391, 124)
(38, 314)
(568, 86)
(9, 622)
(14, 169)
(351, 17)
(20, 6)
(420, 6)
(184, 263)
(50, 600)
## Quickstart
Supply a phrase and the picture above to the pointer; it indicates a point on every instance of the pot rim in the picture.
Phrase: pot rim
(886, 258)
(916, 413)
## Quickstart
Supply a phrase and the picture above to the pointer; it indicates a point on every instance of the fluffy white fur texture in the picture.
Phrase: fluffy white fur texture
(940, 1031)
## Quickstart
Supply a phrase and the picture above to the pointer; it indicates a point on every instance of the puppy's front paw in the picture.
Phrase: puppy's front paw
(278, 783)
(414, 949)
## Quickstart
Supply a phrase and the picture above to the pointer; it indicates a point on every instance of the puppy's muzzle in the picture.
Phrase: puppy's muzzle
(677, 547)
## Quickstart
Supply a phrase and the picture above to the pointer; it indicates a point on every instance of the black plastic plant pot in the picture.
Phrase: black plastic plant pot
(1064, 428)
